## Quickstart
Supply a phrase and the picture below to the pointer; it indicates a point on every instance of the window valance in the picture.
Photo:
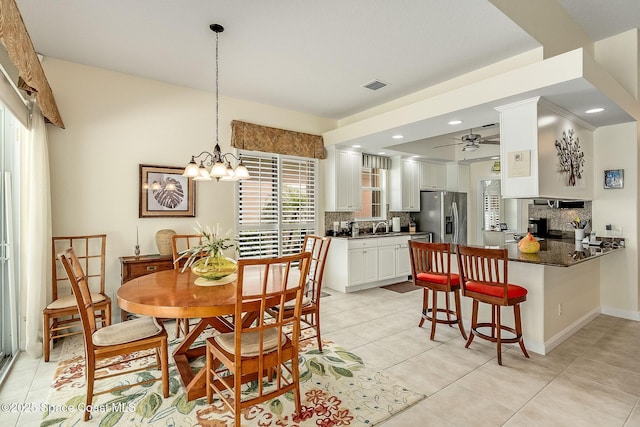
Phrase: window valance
(16, 40)
(376, 162)
(248, 136)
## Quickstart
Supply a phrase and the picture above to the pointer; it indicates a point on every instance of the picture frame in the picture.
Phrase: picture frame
(164, 192)
(614, 178)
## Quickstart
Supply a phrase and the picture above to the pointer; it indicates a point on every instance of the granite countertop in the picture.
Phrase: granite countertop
(381, 234)
(559, 252)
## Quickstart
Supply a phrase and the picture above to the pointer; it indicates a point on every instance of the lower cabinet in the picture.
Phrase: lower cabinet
(355, 264)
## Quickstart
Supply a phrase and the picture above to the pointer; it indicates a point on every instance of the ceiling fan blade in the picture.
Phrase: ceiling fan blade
(489, 142)
(448, 145)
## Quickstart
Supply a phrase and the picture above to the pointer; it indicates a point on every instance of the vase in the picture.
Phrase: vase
(163, 241)
(579, 233)
(214, 267)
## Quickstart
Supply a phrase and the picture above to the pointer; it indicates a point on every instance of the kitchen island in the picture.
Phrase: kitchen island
(563, 281)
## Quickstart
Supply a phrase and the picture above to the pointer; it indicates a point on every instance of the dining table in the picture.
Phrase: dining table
(175, 294)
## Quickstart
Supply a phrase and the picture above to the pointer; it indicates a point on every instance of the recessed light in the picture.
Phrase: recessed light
(495, 158)
(416, 156)
(455, 122)
(595, 110)
(397, 136)
(356, 146)
(381, 153)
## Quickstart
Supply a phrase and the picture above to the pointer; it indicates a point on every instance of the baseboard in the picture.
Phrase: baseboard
(561, 336)
(624, 314)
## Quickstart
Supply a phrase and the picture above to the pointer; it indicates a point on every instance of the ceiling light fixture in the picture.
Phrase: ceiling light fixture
(218, 161)
(455, 122)
(381, 153)
(397, 136)
(595, 110)
(471, 147)
(356, 146)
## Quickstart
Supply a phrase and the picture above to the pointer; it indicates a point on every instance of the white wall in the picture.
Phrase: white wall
(116, 122)
(616, 147)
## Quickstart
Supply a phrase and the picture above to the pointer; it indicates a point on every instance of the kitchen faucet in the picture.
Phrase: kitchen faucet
(386, 226)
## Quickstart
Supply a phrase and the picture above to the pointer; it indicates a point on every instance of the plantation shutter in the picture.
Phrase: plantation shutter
(277, 207)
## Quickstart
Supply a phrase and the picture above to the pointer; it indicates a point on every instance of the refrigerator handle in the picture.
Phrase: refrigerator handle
(454, 208)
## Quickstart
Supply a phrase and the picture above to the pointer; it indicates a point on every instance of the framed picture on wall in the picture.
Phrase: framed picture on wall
(164, 192)
(614, 178)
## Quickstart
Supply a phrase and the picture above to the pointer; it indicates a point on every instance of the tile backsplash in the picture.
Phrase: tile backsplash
(330, 217)
(559, 219)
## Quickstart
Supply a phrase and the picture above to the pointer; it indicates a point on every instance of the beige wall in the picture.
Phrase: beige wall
(116, 122)
(616, 147)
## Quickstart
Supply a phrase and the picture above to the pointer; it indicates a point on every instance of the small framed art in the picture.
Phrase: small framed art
(614, 178)
(164, 192)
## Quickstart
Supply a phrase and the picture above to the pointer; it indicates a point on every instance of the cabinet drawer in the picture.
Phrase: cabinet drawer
(138, 270)
(363, 243)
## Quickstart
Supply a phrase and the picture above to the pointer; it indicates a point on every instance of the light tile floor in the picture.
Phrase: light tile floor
(592, 379)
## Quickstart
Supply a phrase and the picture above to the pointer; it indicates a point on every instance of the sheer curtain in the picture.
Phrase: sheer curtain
(35, 230)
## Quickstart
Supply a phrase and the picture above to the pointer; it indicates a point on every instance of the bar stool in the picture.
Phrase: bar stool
(431, 269)
(483, 277)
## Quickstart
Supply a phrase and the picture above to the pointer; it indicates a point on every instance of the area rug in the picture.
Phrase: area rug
(336, 387)
(402, 287)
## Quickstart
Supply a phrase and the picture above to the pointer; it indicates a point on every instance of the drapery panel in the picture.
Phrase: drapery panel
(249, 136)
(16, 40)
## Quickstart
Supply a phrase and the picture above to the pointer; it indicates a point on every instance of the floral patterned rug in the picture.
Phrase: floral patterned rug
(337, 389)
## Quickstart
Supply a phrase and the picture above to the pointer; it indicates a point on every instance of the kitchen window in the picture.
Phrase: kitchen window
(491, 204)
(277, 207)
(372, 194)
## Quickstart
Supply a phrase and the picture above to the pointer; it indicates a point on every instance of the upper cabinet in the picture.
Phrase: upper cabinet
(342, 180)
(433, 176)
(545, 152)
(457, 177)
(404, 188)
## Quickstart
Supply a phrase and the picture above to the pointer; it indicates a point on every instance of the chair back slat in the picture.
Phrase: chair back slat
(432, 258)
(319, 248)
(483, 265)
(73, 267)
(181, 243)
(90, 252)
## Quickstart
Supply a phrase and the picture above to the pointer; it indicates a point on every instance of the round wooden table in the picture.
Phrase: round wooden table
(172, 294)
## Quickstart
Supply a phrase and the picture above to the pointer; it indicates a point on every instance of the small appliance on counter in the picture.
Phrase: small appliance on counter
(395, 224)
(538, 227)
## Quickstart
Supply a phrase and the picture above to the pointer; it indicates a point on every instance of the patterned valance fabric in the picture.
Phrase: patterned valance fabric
(376, 162)
(247, 136)
(16, 40)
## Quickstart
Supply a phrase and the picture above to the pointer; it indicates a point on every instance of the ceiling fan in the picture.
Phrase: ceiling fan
(472, 141)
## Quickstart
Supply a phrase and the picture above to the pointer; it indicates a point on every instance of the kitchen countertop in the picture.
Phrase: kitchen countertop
(382, 234)
(559, 252)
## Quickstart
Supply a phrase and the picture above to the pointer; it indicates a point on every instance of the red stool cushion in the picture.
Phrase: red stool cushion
(513, 291)
(436, 278)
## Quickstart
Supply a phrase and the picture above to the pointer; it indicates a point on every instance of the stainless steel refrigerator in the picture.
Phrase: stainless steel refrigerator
(443, 213)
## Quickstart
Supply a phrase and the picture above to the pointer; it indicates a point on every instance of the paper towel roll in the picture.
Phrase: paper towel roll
(395, 224)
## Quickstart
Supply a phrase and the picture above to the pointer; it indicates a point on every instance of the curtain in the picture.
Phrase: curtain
(35, 230)
(376, 162)
(247, 136)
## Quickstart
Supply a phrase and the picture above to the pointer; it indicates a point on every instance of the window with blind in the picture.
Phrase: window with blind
(277, 207)
(372, 194)
(492, 204)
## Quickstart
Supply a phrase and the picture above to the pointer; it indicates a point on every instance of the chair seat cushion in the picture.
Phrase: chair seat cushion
(292, 303)
(437, 278)
(125, 332)
(250, 345)
(513, 291)
(70, 301)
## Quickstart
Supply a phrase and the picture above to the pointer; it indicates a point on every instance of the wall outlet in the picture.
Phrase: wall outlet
(344, 224)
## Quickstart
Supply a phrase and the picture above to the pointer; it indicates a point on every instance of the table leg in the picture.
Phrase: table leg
(195, 383)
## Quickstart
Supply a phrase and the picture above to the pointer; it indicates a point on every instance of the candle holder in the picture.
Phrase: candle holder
(137, 251)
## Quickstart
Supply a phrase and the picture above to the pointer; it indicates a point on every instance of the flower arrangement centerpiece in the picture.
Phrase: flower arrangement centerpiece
(207, 260)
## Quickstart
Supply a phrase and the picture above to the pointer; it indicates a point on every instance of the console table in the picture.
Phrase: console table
(135, 266)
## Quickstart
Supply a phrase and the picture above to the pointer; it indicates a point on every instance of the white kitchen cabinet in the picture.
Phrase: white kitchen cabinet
(457, 177)
(363, 259)
(386, 258)
(404, 185)
(403, 257)
(433, 176)
(342, 180)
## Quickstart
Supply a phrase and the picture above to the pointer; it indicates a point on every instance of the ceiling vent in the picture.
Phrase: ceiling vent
(375, 85)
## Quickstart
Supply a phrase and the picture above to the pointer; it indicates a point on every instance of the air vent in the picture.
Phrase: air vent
(375, 85)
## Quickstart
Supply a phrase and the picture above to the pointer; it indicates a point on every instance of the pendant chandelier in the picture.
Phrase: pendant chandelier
(218, 161)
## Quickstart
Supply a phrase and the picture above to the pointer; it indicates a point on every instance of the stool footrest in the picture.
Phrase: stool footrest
(454, 320)
(492, 337)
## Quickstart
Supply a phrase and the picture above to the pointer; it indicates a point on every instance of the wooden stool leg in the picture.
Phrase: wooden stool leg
(434, 312)
(425, 306)
(456, 296)
(498, 328)
(474, 323)
(516, 313)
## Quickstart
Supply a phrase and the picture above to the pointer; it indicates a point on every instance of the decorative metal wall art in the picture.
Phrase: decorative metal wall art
(570, 155)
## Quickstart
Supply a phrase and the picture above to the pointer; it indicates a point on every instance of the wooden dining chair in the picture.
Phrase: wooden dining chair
(179, 244)
(259, 346)
(484, 278)
(60, 316)
(125, 338)
(431, 270)
(319, 248)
